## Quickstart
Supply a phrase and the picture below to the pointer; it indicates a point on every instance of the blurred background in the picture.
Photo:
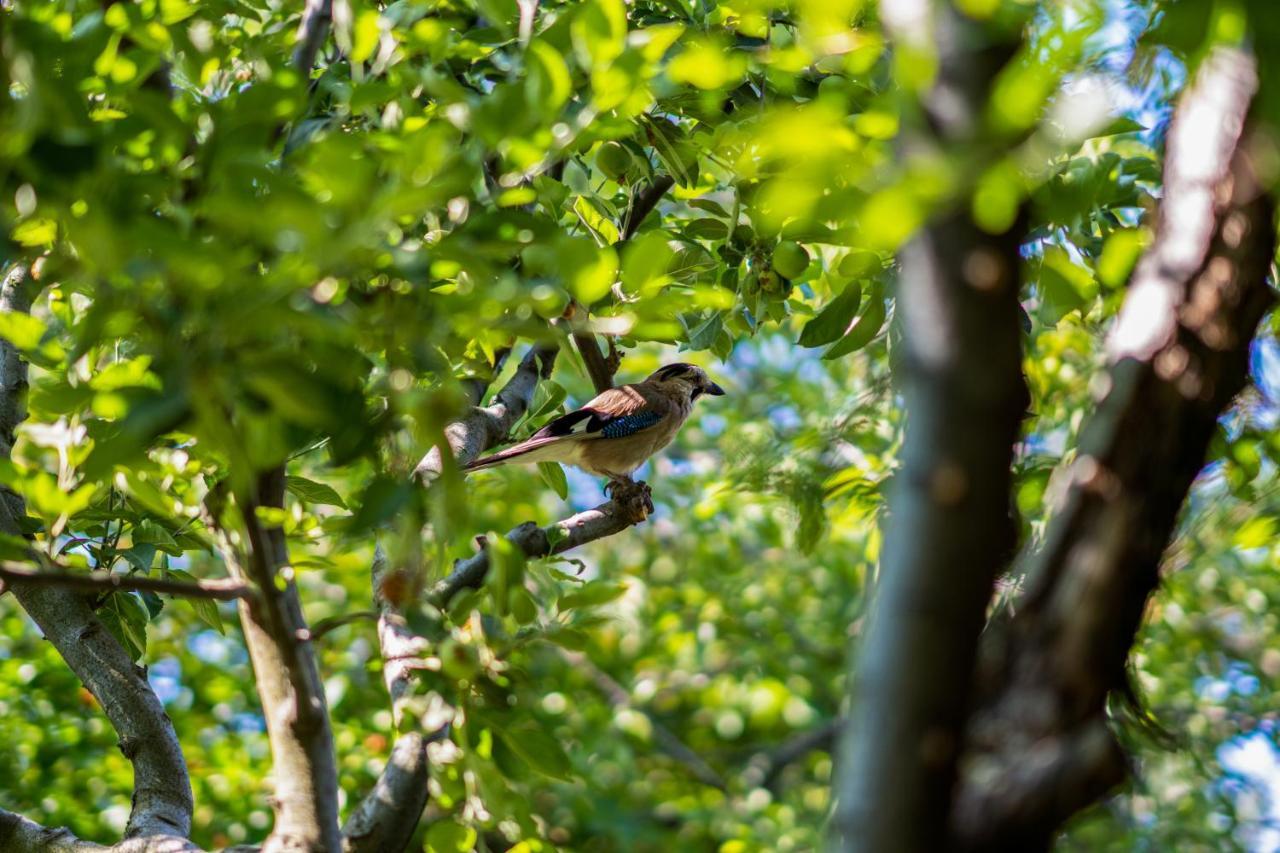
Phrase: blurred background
(327, 262)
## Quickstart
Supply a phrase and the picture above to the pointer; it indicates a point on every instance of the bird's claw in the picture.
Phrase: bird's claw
(635, 496)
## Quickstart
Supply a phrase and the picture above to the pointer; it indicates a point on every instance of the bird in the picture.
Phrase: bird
(614, 433)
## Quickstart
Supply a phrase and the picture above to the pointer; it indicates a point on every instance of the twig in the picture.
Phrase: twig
(765, 766)
(333, 623)
(12, 573)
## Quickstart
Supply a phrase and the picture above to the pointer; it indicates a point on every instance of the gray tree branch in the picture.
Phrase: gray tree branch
(1040, 746)
(20, 835)
(601, 367)
(101, 581)
(949, 531)
(604, 520)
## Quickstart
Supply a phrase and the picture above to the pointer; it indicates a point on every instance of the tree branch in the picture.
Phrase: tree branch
(484, 427)
(12, 573)
(287, 677)
(949, 531)
(20, 835)
(642, 204)
(1178, 355)
(314, 26)
(764, 768)
(599, 367)
(604, 520)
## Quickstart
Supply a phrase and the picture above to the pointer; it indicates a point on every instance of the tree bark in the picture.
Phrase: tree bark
(1040, 745)
(287, 678)
(949, 531)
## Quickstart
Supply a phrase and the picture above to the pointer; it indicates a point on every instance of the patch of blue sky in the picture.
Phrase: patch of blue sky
(1254, 762)
(213, 648)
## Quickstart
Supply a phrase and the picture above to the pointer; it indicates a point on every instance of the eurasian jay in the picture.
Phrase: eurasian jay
(613, 434)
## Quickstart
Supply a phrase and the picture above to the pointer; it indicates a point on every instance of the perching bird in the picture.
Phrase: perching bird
(614, 434)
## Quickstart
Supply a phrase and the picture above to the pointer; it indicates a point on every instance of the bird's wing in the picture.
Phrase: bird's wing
(616, 413)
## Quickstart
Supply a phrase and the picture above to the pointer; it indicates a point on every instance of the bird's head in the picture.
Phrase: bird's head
(685, 380)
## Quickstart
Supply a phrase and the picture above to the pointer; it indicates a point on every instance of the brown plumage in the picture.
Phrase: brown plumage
(613, 434)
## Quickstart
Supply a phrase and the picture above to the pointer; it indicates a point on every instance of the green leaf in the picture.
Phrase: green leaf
(141, 556)
(670, 142)
(553, 475)
(596, 220)
(599, 31)
(448, 836)
(21, 330)
(593, 593)
(865, 328)
(704, 336)
(206, 608)
(313, 492)
(834, 319)
(1119, 126)
(124, 616)
(153, 602)
(539, 750)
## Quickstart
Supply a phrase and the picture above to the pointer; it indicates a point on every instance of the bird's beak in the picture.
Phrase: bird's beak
(714, 390)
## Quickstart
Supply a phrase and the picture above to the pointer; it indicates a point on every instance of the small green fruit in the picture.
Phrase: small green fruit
(833, 88)
(790, 260)
(614, 160)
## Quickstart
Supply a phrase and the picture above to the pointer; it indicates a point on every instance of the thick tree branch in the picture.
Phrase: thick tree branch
(949, 531)
(1041, 748)
(19, 835)
(162, 801)
(19, 573)
(16, 293)
(600, 367)
(642, 204)
(287, 677)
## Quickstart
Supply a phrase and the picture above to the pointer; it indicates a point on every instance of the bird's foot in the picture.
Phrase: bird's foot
(634, 496)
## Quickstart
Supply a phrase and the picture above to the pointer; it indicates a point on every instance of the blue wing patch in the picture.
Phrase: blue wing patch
(629, 424)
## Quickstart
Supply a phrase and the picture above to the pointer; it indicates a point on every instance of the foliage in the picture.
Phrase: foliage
(243, 267)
